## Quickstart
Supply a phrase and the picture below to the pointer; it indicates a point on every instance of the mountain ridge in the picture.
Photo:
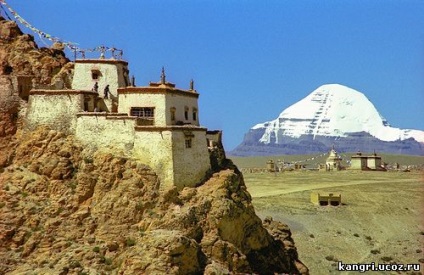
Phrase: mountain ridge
(332, 114)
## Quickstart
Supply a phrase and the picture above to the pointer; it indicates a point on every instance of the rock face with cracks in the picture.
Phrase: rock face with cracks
(20, 55)
(66, 210)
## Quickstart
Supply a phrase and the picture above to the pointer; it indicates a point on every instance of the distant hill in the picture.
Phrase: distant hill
(333, 114)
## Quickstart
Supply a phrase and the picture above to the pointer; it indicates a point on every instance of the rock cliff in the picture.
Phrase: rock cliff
(20, 55)
(66, 210)
(69, 209)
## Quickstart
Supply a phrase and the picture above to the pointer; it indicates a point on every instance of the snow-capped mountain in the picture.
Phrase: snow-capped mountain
(332, 114)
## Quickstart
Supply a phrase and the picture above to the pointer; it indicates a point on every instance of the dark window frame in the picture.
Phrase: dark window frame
(145, 112)
(194, 114)
(95, 74)
(173, 112)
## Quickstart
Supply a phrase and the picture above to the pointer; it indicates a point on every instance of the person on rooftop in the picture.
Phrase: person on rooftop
(106, 92)
(96, 87)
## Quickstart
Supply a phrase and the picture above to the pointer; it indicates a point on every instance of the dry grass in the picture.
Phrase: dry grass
(381, 215)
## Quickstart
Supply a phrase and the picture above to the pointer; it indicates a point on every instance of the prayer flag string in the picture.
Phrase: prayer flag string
(116, 53)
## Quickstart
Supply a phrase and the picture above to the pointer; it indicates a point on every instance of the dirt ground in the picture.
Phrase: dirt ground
(380, 219)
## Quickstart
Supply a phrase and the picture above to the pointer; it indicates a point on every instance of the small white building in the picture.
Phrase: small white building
(157, 124)
(361, 162)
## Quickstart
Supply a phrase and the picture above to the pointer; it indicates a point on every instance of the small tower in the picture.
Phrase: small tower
(110, 72)
(133, 81)
(163, 76)
(191, 85)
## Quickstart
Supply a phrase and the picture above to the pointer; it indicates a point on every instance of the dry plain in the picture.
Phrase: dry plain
(380, 219)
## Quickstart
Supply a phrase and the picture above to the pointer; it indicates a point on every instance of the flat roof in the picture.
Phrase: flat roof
(60, 92)
(103, 61)
(170, 128)
(157, 90)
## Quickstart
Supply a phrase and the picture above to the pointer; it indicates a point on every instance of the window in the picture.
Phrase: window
(95, 74)
(194, 114)
(186, 113)
(188, 143)
(145, 112)
(172, 114)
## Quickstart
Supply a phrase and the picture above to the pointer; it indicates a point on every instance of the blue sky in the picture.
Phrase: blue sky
(252, 59)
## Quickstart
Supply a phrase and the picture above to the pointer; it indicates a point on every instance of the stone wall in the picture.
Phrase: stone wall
(214, 138)
(154, 148)
(190, 164)
(162, 148)
(126, 101)
(374, 162)
(114, 132)
(180, 103)
(58, 111)
(358, 163)
(106, 131)
(162, 102)
(112, 72)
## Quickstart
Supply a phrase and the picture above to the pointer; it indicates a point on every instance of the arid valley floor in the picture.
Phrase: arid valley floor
(380, 219)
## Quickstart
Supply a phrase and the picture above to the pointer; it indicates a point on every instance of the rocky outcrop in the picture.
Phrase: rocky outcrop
(67, 210)
(20, 55)
(9, 107)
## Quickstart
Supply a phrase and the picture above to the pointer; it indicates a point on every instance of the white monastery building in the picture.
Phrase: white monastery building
(157, 124)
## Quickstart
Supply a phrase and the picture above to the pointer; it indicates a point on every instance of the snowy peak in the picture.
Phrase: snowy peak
(332, 110)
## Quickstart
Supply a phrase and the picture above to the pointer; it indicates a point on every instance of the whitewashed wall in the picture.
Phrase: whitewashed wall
(179, 102)
(154, 148)
(106, 132)
(358, 163)
(190, 164)
(112, 74)
(56, 111)
(126, 101)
